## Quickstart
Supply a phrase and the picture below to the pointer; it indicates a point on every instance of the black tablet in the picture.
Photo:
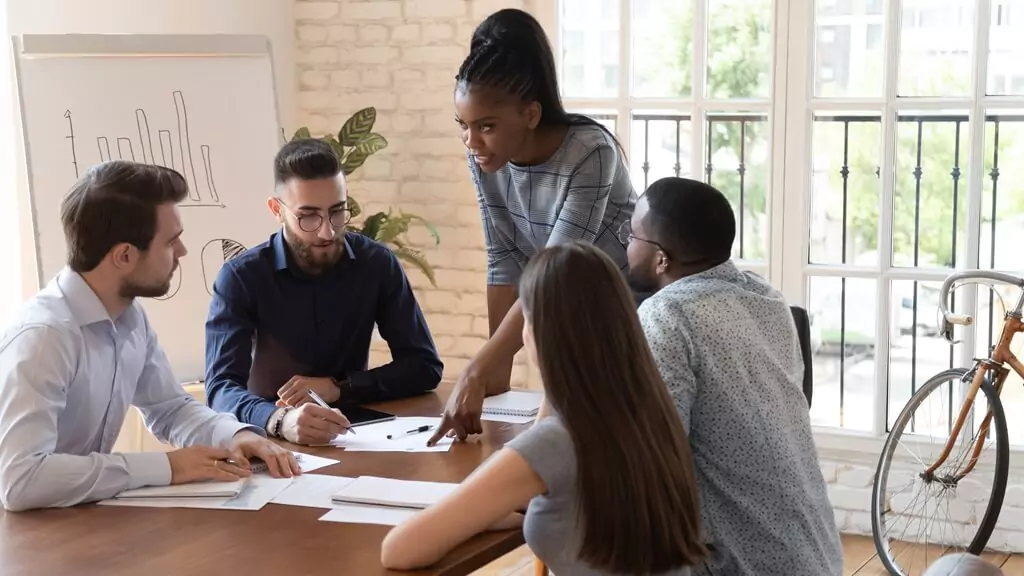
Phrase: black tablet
(361, 415)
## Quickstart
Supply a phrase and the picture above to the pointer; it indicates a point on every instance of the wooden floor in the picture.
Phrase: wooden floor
(858, 552)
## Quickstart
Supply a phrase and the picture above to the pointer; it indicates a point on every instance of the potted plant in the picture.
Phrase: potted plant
(355, 142)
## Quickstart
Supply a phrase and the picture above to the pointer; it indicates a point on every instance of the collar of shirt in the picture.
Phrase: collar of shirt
(86, 306)
(283, 259)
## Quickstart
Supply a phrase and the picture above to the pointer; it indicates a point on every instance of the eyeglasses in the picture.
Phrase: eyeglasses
(311, 222)
(625, 236)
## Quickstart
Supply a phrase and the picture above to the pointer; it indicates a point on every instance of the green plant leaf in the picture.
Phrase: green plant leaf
(372, 143)
(358, 126)
(354, 159)
(429, 226)
(301, 133)
(354, 207)
(372, 225)
(339, 150)
(417, 259)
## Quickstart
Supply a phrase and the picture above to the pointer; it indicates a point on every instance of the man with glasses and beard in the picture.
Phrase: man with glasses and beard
(82, 350)
(297, 313)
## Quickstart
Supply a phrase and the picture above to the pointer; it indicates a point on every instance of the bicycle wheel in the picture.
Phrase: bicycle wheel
(903, 527)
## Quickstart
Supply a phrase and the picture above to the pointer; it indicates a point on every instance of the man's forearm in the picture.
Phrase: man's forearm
(224, 396)
(399, 378)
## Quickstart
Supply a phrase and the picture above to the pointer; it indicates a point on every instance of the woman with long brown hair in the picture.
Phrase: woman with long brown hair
(607, 474)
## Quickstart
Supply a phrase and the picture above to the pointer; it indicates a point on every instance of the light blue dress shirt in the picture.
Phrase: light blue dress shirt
(68, 373)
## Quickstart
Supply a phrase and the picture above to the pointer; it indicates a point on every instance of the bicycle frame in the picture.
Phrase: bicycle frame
(996, 363)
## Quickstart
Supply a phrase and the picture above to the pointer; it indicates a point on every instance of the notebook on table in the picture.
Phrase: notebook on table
(192, 490)
(379, 491)
(514, 403)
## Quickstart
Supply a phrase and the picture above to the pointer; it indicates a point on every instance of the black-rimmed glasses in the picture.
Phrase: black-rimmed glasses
(625, 235)
(312, 221)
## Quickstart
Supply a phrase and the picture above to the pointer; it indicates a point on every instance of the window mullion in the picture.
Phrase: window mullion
(887, 172)
(623, 122)
(698, 127)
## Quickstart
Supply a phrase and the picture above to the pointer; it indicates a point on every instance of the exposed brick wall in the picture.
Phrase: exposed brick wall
(401, 56)
(849, 490)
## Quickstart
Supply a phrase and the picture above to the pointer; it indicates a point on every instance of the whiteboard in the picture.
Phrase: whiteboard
(204, 105)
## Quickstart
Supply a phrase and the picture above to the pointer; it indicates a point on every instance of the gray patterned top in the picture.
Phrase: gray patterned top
(583, 192)
(726, 345)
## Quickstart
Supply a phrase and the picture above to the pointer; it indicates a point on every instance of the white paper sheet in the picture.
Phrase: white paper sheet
(312, 491)
(258, 491)
(309, 463)
(374, 437)
(359, 514)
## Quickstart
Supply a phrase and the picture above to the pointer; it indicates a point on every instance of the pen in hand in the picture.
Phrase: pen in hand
(409, 432)
(316, 398)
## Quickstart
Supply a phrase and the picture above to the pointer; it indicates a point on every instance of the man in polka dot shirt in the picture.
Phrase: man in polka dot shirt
(726, 345)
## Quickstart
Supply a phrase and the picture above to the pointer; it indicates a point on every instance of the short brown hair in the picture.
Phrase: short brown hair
(638, 499)
(115, 202)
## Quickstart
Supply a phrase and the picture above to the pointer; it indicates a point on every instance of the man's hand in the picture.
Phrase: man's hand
(281, 463)
(461, 415)
(200, 463)
(295, 391)
(311, 424)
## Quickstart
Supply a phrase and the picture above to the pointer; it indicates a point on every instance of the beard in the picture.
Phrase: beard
(132, 288)
(641, 282)
(314, 258)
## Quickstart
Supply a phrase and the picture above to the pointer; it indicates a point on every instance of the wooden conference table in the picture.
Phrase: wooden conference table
(277, 540)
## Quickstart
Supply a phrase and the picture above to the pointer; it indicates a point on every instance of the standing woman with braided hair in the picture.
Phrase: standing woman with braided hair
(542, 176)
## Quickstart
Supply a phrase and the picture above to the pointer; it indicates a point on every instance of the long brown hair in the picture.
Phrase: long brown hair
(638, 499)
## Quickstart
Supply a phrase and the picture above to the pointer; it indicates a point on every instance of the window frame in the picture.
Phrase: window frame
(624, 104)
(791, 108)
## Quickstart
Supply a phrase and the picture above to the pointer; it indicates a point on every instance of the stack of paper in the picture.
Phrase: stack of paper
(391, 492)
(375, 500)
(193, 490)
(514, 406)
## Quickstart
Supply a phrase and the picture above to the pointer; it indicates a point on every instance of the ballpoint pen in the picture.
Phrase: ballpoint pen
(409, 432)
(316, 398)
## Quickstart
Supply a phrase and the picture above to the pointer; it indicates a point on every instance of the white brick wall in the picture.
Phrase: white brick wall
(849, 489)
(401, 57)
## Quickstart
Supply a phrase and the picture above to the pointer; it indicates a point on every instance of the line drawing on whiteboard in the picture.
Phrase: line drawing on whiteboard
(175, 285)
(123, 143)
(215, 254)
(175, 152)
(104, 146)
(71, 136)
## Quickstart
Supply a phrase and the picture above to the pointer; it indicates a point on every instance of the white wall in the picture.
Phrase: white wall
(273, 18)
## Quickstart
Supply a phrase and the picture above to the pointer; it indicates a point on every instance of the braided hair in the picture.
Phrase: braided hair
(510, 52)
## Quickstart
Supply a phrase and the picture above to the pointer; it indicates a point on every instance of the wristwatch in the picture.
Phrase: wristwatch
(344, 388)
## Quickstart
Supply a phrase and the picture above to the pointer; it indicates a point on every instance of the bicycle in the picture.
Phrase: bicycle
(941, 476)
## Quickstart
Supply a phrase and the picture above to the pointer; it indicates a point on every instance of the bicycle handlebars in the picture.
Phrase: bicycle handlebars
(977, 276)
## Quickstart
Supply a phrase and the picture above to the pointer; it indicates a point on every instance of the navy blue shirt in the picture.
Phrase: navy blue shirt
(270, 321)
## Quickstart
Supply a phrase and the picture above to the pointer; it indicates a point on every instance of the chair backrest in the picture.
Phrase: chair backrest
(803, 331)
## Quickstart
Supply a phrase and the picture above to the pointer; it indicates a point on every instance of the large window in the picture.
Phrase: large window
(687, 87)
(869, 148)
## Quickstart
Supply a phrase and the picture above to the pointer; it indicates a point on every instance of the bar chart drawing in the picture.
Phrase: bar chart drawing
(175, 151)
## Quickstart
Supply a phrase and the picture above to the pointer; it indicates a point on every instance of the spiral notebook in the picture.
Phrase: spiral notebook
(514, 403)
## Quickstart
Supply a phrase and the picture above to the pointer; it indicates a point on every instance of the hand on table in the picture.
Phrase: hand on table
(311, 424)
(461, 416)
(281, 463)
(201, 463)
(295, 391)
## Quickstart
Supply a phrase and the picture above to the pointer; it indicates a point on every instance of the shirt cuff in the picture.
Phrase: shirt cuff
(228, 426)
(147, 469)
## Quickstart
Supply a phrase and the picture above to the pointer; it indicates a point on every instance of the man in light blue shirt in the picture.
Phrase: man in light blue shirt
(82, 350)
(726, 345)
